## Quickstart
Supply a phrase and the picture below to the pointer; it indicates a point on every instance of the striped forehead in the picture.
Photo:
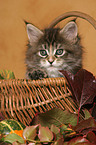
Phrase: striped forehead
(49, 48)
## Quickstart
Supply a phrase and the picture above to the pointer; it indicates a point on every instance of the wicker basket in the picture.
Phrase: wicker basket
(22, 99)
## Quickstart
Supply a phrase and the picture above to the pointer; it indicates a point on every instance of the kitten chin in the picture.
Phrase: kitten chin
(53, 72)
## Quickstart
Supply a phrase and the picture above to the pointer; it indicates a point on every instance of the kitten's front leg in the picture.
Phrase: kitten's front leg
(36, 74)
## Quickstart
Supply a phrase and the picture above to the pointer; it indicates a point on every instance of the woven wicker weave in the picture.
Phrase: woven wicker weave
(22, 99)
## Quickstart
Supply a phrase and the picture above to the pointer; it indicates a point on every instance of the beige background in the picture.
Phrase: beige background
(13, 36)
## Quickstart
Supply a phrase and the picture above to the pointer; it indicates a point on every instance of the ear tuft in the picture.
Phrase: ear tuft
(33, 33)
(69, 31)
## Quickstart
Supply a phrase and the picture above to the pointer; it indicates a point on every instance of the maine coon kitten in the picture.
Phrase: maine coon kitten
(52, 50)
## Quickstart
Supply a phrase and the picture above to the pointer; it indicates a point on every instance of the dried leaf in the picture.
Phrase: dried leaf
(79, 141)
(59, 142)
(55, 116)
(91, 137)
(45, 134)
(55, 129)
(87, 114)
(85, 126)
(82, 86)
(6, 74)
(13, 138)
(30, 132)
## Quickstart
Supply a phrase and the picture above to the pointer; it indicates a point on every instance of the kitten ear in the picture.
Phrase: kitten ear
(33, 33)
(70, 31)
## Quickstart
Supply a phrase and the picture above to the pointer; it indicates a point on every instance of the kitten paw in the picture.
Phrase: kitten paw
(36, 74)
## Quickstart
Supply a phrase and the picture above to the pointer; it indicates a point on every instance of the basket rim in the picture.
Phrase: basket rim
(76, 14)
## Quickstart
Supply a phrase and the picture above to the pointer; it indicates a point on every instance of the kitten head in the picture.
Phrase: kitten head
(54, 49)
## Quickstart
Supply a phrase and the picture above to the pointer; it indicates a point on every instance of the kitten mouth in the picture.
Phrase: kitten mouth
(51, 66)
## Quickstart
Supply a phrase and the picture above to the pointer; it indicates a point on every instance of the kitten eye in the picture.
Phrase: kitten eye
(59, 52)
(43, 53)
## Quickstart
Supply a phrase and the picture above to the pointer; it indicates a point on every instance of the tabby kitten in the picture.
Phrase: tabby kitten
(51, 50)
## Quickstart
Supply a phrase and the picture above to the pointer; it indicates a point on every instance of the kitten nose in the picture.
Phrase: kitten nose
(51, 61)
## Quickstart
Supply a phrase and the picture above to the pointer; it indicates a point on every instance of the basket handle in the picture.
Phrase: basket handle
(72, 14)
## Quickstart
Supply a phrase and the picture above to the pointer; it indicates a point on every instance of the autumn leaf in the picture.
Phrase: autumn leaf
(30, 132)
(91, 137)
(6, 74)
(55, 116)
(82, 86)
(60, 141)
(13, 138)
(79, 141)
(87, 114)
(85, 126)
(55, 129)
(45, 134)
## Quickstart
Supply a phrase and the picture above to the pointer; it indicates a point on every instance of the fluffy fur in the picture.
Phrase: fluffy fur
(52, 50)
